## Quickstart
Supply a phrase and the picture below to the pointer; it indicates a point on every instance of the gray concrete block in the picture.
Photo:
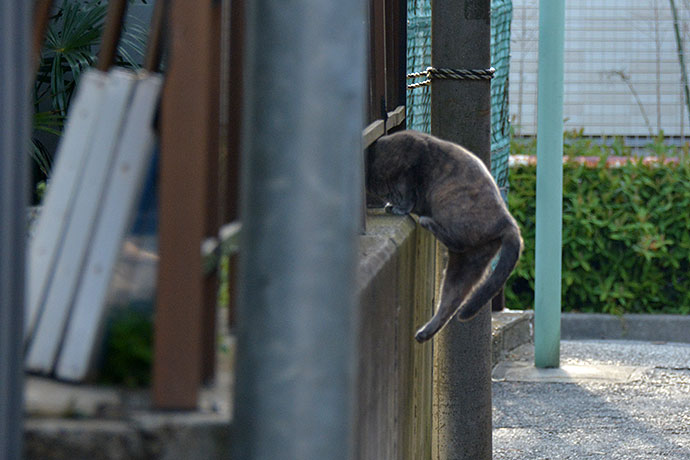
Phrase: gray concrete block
(656, 328)
(147, 436)
(509, 330)
(63, 439)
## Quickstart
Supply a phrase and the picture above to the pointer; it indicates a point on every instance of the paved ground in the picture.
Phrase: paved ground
(611, 400)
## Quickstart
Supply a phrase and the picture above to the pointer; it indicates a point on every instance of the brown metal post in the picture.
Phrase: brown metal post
(212, 204)
(396, 53)
(42, 10)
(111, 33)
(377, 60)
(231, 179)
(186, 131)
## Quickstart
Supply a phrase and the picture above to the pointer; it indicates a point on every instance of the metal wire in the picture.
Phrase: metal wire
(419, 56)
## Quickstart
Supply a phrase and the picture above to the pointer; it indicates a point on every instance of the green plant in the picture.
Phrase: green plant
(71, 43)
(626, 245)
(129, 347)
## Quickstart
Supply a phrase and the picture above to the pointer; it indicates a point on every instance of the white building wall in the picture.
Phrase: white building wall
(622, 72)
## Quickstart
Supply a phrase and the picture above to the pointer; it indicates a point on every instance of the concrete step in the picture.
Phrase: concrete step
(509, 330)
(66, 421)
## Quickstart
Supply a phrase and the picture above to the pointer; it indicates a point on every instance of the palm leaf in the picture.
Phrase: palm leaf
(69, 47)
(72, 40)
(40, 156)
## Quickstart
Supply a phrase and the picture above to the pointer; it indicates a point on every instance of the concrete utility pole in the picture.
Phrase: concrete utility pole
(15, 75)
(461, 112)
(302, 184)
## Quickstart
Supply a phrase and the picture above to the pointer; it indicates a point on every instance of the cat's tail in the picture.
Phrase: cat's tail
(511, 247)
(464, 271)
(459, 278)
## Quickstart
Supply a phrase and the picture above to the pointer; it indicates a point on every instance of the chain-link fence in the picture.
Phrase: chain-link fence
(419, 58)
(625, 70)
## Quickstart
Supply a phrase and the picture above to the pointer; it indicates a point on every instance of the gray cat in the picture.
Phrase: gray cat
(457, 200)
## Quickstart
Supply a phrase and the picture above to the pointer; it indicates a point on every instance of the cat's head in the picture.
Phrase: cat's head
(390, 171)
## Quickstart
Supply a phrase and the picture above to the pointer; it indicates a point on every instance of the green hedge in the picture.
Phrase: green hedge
(626, 238)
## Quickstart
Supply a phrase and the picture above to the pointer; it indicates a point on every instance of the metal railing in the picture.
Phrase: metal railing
(15, 71)
(202, 118)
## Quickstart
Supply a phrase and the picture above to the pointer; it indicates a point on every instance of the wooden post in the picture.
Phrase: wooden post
(186, 132)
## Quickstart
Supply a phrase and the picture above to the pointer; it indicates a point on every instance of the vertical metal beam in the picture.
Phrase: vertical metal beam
(547, 290)
(302, 184)
(15, 74)
(42, 10)
(186, 128)
(212, 202)
(396, 53)
(231, 181)
(235, 103)
(235, 85)
(377, 60)
(461, 112)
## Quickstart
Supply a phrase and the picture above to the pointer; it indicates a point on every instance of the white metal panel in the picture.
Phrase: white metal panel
(84, 332)
(618, 53)
(60, 293)
(57, 204)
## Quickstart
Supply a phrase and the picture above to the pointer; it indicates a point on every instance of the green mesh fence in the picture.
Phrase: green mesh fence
(419, 58)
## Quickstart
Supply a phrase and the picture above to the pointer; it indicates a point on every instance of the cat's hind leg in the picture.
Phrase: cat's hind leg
(439, 232)
(511, 246)
(463, 271)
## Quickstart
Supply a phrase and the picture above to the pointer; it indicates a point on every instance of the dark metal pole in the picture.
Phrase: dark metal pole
(15, 75)
(461, 112)
(304, 92)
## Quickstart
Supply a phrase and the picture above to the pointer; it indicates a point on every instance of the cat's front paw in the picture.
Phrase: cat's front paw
(395, 210)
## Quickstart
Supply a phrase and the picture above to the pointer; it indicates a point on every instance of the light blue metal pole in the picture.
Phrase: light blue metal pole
(296, 338)
(15, 77)
(547, 301)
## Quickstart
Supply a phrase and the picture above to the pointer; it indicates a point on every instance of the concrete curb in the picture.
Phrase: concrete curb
(143, 436)
(654, 328)
(509, 330)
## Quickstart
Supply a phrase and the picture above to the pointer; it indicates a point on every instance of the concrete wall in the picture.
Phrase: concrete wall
(396, 280)
(397, 283)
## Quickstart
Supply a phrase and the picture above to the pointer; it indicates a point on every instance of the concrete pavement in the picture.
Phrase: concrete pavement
(610, 400)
